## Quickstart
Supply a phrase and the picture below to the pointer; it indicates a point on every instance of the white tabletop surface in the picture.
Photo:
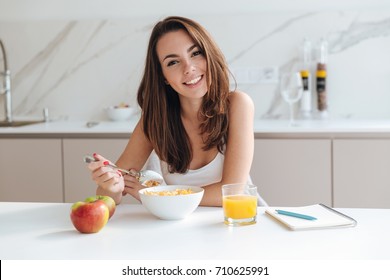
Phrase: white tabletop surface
(44, 231)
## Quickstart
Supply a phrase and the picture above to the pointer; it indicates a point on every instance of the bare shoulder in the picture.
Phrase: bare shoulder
(239, 100)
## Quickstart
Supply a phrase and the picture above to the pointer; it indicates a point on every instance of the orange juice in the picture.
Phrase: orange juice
(240, 206)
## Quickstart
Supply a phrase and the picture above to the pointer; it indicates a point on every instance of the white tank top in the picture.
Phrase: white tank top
(205, 175)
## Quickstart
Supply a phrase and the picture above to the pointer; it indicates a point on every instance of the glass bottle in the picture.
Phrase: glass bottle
(305, 65)
(321, 74)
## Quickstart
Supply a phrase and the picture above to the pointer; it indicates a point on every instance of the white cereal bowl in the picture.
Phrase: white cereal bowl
(174, 207)
(119, 113)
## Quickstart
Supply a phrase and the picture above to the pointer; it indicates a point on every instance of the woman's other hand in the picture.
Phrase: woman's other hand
(132, 186)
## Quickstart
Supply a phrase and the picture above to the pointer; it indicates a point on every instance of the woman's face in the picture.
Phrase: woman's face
(183, 64)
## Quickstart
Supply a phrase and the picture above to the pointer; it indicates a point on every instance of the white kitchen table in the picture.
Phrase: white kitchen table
(44, 231)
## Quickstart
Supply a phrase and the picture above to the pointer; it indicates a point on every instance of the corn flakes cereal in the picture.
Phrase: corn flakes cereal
(170, 193)
(151, 183)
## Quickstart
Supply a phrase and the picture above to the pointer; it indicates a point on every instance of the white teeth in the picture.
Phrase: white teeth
(194, 81)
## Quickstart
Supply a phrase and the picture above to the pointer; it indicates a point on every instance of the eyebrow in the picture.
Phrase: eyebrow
(175, 55)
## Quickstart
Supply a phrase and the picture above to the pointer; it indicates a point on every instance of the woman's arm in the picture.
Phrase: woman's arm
(136, 151)
(239, 148)
(134, 156)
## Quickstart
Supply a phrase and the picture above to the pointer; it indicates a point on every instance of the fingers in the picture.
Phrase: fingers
(133, 191)
(132, 186)
(92, 166)
(131, 181)
(99, 163)
(111, 182)
(103, 175)
(98, 157)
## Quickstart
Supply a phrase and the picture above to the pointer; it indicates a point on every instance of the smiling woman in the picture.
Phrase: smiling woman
(201, 131)
(184, 69)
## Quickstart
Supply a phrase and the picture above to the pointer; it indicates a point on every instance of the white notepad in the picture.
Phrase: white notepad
(326, 217)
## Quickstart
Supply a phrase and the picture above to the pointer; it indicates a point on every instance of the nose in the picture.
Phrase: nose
(188, 67)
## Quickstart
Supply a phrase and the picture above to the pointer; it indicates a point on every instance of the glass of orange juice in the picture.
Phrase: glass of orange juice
(239, 202)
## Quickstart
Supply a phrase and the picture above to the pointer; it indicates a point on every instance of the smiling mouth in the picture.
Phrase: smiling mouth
(193, 81)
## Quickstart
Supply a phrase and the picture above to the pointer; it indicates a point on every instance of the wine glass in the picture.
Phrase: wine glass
(291, 88)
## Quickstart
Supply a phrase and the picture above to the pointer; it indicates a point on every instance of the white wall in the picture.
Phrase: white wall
(76, 57)
(102, 9)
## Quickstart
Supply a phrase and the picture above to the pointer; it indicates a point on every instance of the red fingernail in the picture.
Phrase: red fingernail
(106, 162)
(94, 154)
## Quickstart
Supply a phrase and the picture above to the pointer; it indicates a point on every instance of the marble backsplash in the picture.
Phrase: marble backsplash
(76, 68)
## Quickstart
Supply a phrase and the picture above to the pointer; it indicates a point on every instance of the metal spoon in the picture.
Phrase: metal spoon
(91, 124)
(145, 177)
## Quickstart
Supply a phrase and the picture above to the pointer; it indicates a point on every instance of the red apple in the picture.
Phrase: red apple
(109, 201)
(89, 217)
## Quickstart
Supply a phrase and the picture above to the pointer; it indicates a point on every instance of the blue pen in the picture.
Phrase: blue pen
(296, 215)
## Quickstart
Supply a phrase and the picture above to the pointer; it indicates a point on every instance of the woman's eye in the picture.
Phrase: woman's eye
(196, 53)
(170, 63)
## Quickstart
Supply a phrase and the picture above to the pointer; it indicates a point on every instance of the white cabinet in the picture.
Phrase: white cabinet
(78, 184)
(361, 173)
(288, 172)
(293, 172)
(31, 170)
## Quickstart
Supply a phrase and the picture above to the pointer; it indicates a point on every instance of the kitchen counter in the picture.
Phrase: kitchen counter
(262, 129)
(61, 129)
(44, 231)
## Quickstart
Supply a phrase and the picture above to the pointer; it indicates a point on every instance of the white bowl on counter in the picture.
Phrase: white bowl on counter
(115, 113)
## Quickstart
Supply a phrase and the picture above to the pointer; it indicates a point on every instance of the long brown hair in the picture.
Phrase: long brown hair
(160, 103)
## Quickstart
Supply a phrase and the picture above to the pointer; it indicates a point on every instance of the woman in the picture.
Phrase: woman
(200, 130)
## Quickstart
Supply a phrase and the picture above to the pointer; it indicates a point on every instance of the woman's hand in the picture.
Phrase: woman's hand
(132, 186)
(110, 181)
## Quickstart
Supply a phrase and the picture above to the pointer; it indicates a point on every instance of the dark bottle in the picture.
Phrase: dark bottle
(321, 74)
(306, 103)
